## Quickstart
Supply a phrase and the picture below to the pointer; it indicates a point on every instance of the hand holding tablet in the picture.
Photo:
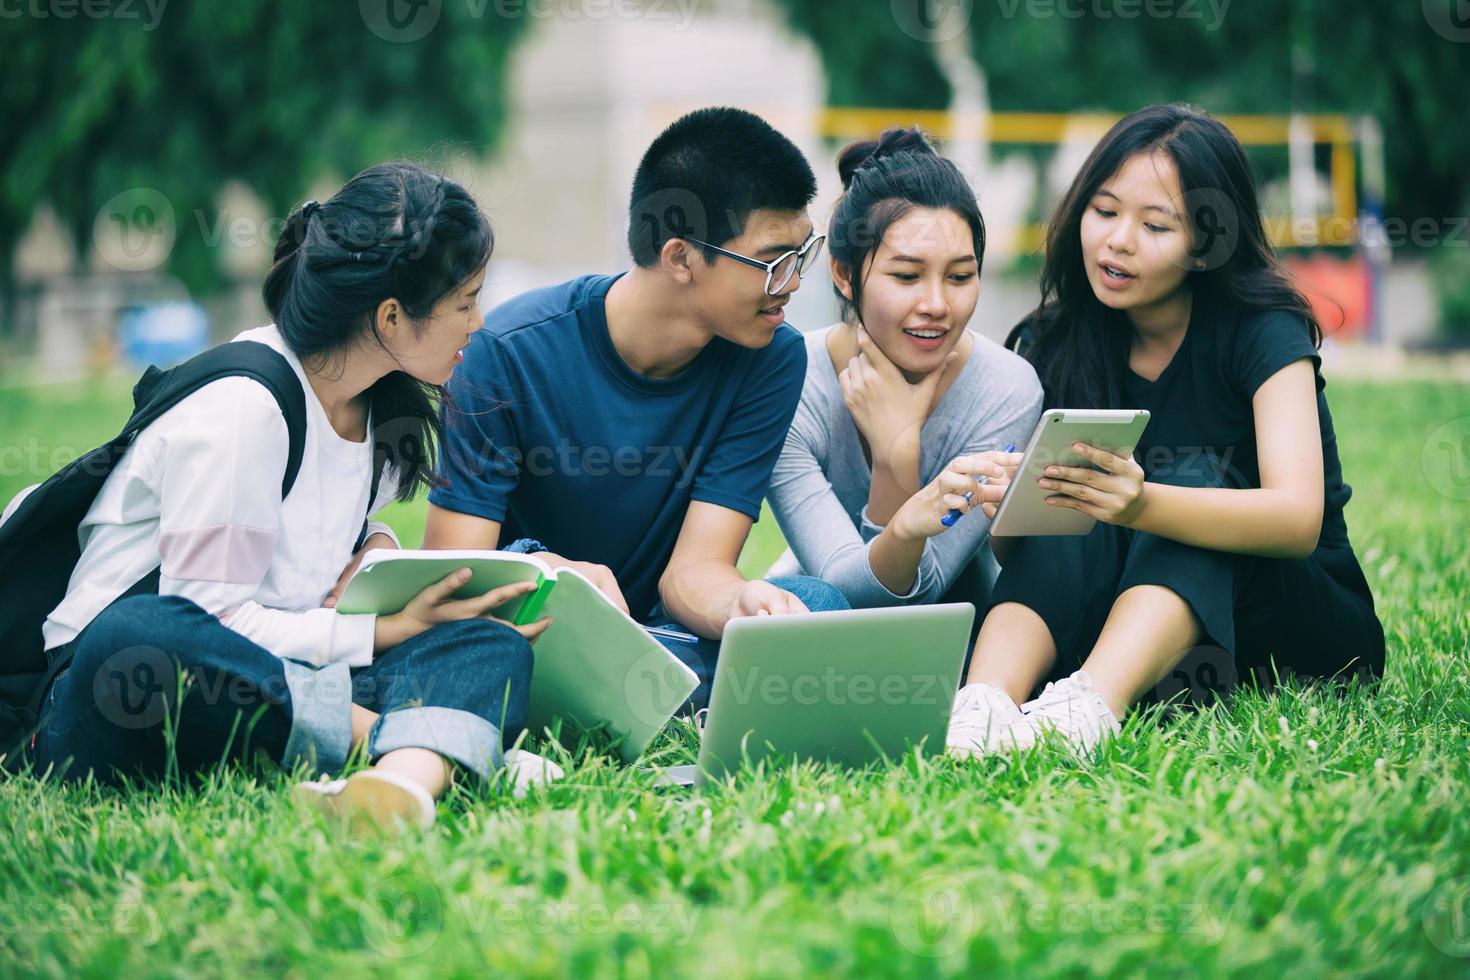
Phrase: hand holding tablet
(1107, 438)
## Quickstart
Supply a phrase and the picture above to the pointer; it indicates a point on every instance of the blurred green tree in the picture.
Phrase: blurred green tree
(273, 93)
(1407, 64)
(1402, 63)
(868, 61)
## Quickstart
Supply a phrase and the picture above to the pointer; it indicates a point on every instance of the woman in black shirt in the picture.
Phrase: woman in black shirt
(1224, 537)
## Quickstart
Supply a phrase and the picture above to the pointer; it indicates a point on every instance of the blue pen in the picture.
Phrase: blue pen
(948, 520)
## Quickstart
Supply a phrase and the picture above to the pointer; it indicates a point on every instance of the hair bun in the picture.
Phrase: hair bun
(856, 156)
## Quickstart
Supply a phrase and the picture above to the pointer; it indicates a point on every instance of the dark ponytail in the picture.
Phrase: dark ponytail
(883, 180)
(395, 231)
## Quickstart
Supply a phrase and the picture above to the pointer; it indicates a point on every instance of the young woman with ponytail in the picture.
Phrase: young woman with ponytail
(1224, 533)
(373, 294)
(903, 408)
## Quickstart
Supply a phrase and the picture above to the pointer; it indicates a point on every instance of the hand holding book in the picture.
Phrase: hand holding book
(596, 665)
(436, 604)
(599, 575)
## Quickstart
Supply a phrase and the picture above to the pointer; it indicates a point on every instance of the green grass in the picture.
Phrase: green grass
(1298, 829)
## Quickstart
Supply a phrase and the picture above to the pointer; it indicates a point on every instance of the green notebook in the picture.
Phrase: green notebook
(595, 664)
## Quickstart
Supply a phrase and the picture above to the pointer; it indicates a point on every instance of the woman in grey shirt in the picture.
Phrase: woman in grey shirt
(903, 409)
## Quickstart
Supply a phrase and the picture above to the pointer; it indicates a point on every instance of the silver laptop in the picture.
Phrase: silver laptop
(851, 687)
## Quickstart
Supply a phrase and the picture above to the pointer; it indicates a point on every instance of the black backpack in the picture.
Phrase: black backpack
(39, 546)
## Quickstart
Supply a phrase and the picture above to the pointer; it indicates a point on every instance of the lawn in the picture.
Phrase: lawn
(1300, 830)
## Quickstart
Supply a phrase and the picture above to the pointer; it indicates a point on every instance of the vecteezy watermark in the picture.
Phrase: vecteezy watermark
(569, 459)
(134, 231)
(935, 915)
(652, 687)
(1213, 12)
(1445, 459)
(1203, 465)
(1200, 678)
(403, 916)
(1446, 916)
(118, 918)
(238, 230)
(1188, 465)
(541, 918)
(398, 440)
(138, 687)
(413, 235)
(400, 21)
(941, 231)
(36, 459)
(663, 215)
(683, 10)
(1422, 232)
(940, 21)
(932, 21)
(135, 687)
(1015, 913)
(1369, 230)
(88, 9)
(405, 21)
(837, 686)
(1215, 230)
(1450, 19)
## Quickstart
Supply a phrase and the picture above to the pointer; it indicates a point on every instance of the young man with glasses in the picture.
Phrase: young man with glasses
(626, 426)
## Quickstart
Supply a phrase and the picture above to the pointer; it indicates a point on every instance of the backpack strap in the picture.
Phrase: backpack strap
(380, 458)
(158, 391)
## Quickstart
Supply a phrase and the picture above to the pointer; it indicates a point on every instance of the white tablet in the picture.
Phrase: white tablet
(1023, 509)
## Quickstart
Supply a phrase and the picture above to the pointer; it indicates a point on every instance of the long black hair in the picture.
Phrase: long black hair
(1079, 346)
(395, 231)
(883, 180)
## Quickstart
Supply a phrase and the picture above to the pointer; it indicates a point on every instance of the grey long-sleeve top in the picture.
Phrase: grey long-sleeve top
(819, 489)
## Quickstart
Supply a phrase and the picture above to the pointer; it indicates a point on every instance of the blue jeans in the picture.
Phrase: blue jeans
(701, 656)
(154, 675)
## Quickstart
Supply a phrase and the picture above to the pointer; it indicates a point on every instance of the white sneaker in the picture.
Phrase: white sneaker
(370, 800)
(1073, 710)
(527, 769)
(983, 722)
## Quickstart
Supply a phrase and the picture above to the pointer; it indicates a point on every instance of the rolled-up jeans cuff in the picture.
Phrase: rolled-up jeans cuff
(321, 715)
(457, 735)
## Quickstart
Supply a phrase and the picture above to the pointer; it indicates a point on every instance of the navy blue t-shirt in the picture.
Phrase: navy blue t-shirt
(553, 435)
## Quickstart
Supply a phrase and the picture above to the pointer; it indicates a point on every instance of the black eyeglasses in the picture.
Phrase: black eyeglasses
(780, 270)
